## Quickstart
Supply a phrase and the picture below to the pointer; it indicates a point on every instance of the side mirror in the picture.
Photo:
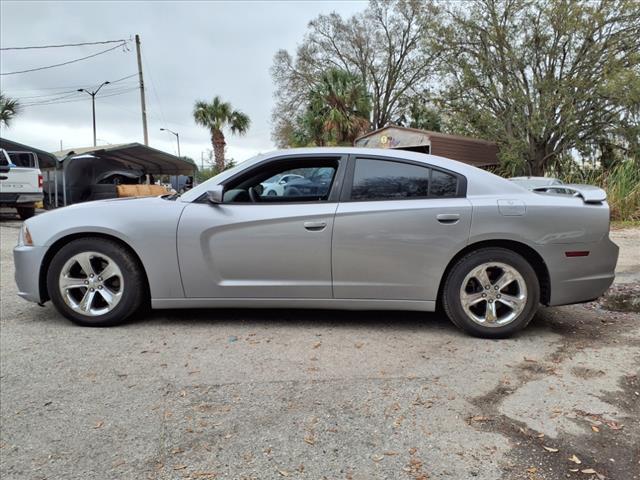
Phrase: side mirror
(4, 168)
(216, 194)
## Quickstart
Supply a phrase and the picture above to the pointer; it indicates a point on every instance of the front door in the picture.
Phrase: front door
(259, 245)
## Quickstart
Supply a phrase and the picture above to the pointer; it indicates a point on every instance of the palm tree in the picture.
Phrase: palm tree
(215, 116)
(9, 108)
(342, 104)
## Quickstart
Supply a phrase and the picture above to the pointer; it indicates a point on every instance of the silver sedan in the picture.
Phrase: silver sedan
(362, 229)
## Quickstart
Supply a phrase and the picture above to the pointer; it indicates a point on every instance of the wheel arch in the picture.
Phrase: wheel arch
(62, 241)
(530, 255)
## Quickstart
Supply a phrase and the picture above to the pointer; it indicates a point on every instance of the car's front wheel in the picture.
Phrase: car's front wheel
(491, 293)
(95, 282)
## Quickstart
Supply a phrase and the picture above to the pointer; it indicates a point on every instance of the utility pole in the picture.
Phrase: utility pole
(93, 106)
(143, 104)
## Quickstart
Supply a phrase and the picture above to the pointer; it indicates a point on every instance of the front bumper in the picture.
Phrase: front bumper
(27, 261)
(580, 279)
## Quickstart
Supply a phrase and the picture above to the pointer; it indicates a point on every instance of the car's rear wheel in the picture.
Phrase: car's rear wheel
(26, 212)
(95, 282)
(491, 293)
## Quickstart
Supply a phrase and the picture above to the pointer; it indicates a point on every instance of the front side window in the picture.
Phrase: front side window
(292, 180)
(385, 180)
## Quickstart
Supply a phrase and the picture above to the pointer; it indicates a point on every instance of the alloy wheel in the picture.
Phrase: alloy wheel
(493, 294)
(91, 283)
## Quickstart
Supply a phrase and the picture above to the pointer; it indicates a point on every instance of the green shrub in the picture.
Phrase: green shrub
(621, 182)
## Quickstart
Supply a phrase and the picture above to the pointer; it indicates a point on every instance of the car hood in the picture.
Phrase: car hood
(121, 217)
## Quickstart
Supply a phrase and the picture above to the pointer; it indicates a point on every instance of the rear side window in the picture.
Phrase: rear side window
(382, 180)
(388, 180)
(443, 184)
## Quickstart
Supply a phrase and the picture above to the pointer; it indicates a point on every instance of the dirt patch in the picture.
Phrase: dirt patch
(623, 297)
(610, 449)
(586, 373)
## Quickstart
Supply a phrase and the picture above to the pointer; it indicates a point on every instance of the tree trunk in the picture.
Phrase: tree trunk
(537, 161)
(218, 142)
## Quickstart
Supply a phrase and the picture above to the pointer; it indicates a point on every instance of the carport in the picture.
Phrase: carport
(77, 171)
(45, 159)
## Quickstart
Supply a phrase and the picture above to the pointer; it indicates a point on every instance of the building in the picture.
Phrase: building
(472, 151)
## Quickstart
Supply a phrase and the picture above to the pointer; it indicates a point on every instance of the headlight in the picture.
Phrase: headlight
(24, 237)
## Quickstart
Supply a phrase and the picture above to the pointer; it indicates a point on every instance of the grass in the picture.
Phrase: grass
(621, 224)
(622, 184)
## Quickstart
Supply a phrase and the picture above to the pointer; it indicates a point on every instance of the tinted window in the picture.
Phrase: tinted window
(443, 184)
(380, 180)
(292, 180)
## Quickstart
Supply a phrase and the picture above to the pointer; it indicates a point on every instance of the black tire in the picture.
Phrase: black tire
(133, 288)
(26, 212)
(452, 302)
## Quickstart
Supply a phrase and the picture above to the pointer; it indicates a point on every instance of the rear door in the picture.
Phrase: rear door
(396, 228)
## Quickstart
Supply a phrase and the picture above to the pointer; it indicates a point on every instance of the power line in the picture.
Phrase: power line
(65, 63)
(68, 91)
(43, 95)
(64, 45)
(153, 87)
(77, 98)
(124, 78)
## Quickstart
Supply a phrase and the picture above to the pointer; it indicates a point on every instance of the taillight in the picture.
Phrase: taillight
(40, 181)
(575, 254)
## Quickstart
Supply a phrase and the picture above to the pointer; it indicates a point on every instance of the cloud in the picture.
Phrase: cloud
(191, 51)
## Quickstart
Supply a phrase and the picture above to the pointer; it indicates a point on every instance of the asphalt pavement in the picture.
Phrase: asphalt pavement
(233, 394)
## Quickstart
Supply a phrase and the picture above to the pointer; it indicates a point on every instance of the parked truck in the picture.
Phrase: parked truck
(20, 182)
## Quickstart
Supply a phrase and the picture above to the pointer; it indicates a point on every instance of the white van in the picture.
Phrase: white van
(20, 182)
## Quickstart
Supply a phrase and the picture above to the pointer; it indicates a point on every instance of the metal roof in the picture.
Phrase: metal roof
(45, 159)
(149, 159)
(429, 133)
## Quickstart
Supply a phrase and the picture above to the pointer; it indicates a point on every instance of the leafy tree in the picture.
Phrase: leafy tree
(9, 108)
(337, 111)
(216, 116)
(383, 46)
(211, 171)
(418, 114)
(543, 78)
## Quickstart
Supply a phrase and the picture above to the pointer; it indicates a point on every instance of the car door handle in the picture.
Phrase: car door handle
(315, 226)
(3, 177)
(448, 218)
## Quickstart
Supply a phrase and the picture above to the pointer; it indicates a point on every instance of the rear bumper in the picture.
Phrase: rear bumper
(27, 262)
(580, 279)
(19, 198)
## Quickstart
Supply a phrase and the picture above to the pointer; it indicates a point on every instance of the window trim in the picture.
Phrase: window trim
(334, 193)
(345, 194)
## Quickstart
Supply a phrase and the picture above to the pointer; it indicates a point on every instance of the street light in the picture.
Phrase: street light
(177, 137)
(93, 106)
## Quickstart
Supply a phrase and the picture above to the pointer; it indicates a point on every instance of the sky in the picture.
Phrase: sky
(191, 51)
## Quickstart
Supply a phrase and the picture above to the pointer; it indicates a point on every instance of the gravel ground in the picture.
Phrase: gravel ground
(314, 395)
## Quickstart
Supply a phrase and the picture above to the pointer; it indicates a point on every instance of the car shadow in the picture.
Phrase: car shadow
(303, 318)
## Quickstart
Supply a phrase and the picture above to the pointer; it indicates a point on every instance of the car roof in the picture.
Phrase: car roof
(479, 182)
